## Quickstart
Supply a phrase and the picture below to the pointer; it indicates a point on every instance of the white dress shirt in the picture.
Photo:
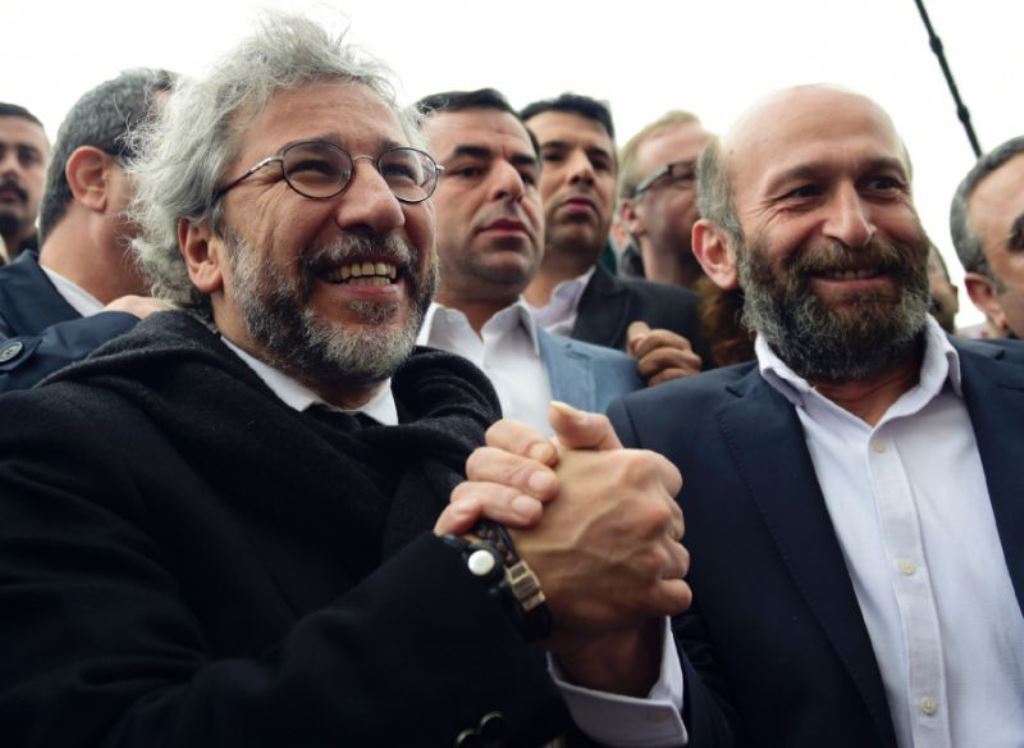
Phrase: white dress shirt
(911, 510)
(77, 297)
(558, 316)
(609, 718)
(506, 350)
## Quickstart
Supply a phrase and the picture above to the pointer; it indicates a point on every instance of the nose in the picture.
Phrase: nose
(368, 202)
(9, 161)
(580, 168)
(849, 218)
(507, 182)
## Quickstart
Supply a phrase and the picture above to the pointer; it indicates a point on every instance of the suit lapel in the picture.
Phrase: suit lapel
(30, 302)
(569, 370)
(766, 442)
(994, 393)
(603, 311)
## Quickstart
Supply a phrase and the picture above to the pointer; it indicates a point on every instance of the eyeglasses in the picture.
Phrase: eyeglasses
(680, 174)
(320, 170)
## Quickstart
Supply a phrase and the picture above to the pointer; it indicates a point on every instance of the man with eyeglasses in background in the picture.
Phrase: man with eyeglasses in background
(657, 193)
(217, 529)
(83, 287)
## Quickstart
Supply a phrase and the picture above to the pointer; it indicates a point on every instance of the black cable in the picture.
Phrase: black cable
(961, 109)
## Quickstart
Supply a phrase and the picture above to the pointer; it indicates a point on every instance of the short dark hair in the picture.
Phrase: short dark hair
(571, 103)
(967, 244)
(457, 101)
(461, 101)
(16, 110)
(105, 118)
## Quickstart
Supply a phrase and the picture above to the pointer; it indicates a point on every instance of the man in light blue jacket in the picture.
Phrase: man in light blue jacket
(489, 242)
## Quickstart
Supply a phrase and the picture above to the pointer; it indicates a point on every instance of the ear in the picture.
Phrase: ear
(630, 220)
(204, 255)
(87, 173)
(714, 251)
(983, 294)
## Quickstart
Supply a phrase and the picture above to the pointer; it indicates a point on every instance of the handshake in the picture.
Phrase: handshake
(600, 528)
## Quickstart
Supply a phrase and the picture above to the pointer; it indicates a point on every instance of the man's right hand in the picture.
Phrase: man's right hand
(606, 549)
(140, 306)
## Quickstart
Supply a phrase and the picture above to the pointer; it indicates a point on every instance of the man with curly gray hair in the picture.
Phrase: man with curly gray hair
(217, 529)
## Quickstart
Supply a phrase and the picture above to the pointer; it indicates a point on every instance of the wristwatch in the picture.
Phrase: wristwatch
(491, 557)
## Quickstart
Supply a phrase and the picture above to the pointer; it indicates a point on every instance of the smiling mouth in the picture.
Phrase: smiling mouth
(361, 273)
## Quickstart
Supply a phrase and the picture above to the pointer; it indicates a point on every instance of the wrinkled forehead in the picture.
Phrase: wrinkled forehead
(349, 114)
(810, 126)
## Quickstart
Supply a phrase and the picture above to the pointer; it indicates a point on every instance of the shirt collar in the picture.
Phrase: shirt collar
(518, 313)
(77, 297)
(381, 407)
(941, 363)
(565, 299)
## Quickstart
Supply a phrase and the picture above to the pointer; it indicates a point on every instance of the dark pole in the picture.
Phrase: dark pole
(961, 109)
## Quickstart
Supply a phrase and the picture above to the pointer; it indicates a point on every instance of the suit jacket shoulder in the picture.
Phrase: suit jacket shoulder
(39, 331)
(584, 375)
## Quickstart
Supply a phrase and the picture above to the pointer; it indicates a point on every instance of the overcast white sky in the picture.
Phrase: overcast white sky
(712, 57)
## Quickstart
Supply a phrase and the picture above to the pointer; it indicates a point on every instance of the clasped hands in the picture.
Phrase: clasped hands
(600, 527)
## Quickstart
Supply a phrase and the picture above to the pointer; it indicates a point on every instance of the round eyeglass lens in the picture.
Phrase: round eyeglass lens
(411, 174)
(316, 169)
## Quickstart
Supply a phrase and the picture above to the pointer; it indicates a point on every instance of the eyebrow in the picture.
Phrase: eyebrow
(383, 144)
(816, 170)
(481, 151)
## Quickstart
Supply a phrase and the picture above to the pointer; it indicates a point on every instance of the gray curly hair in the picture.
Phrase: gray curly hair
(185, 152)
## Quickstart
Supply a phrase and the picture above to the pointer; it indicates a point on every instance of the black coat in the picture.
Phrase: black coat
(187, 561)
(609, 304)
(39, 331)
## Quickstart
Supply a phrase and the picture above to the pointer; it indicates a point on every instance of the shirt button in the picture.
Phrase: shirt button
(658, 715)
(877, 445)
(928, 706)
(907, 567)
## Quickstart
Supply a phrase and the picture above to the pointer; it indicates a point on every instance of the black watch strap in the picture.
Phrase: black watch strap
(509, 579)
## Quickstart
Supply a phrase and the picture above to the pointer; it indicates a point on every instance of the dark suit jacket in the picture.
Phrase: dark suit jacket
(39, 331)
(609, 304)
(776, 632)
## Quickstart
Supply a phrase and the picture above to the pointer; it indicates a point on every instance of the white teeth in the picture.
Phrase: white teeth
(366, 273)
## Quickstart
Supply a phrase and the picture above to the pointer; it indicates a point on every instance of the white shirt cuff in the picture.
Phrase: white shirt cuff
(628, 721)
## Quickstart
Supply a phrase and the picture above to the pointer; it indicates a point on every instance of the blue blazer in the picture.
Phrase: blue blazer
(39, 331)
(776, 650)
(586, 376)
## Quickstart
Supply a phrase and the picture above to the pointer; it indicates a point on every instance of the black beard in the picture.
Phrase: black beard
(296, 341)
(9, 225)
(869, 336)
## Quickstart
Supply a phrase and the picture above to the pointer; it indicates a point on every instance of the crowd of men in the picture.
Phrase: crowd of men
(305, 441)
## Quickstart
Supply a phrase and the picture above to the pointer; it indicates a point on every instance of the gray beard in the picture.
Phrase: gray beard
(872, 335)
(278, 318)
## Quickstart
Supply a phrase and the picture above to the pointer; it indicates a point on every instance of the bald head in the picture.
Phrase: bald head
(788, 130)
(806, 204)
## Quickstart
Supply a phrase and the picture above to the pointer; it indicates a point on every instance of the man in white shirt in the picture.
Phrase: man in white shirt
(852, 498)
(83, 288)
(220, 530)
(489, 243)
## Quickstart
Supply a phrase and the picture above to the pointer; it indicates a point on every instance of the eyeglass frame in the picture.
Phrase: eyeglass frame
(647, 184)
(279, 157)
